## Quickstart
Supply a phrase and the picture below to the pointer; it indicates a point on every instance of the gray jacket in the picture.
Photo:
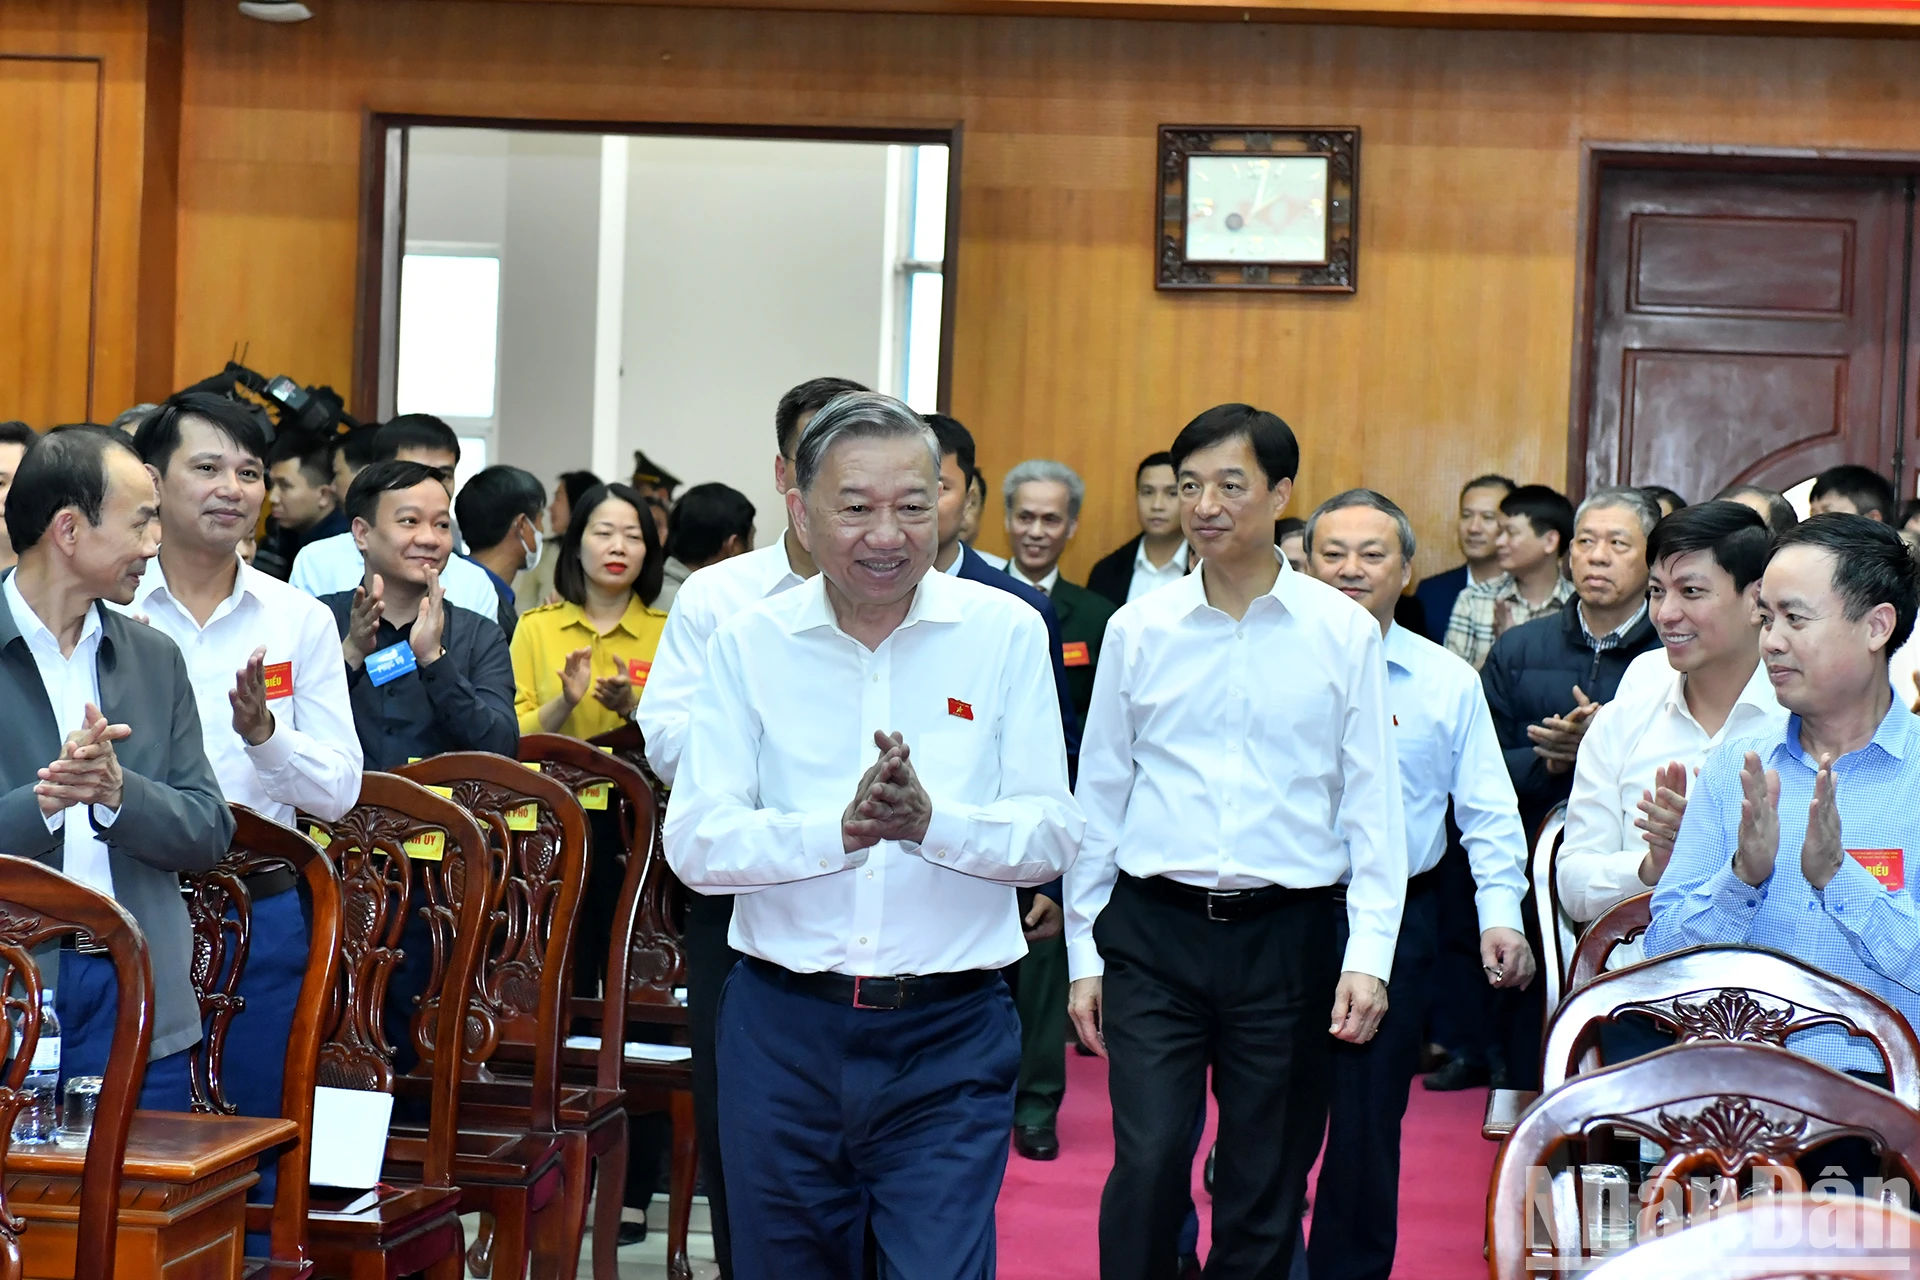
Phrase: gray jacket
(172, 815)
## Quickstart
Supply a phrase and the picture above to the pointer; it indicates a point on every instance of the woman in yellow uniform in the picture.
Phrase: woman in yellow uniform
(579, 664)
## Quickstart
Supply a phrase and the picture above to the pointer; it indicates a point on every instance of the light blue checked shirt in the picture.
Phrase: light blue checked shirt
(1853, 929)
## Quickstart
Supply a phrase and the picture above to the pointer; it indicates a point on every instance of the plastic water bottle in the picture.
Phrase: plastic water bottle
(39, 1119)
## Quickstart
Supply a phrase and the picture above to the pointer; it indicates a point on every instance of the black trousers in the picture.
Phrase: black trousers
(1356, 1203)
(1249, 998)
(709, 960)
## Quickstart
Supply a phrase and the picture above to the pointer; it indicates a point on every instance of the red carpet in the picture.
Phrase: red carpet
(1049, 1212)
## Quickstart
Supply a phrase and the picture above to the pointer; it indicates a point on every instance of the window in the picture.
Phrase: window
(916, 248)
(449, 335)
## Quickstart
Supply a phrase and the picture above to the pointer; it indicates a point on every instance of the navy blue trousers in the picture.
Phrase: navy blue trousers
(834, 1120)
(86, 1002)
(1356, 1203)
(256, 1057)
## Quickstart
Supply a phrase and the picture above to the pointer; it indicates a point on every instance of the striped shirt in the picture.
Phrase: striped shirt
(1485, 611)
(1854, 929)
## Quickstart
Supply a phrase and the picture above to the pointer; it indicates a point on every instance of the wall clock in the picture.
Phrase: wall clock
(1258, 208)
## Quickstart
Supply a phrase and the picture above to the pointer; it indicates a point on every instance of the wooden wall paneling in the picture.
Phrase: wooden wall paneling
(1453, 359)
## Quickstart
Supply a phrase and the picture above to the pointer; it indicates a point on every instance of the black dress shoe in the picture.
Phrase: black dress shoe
(1498, 1077)
(1206, 1171)
(1189, 1266)
(1035, 1142)
(630, 1233)
(1457, 1074)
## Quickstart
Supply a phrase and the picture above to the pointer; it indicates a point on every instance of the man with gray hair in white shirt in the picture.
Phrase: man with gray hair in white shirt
(1237, 767)
(874, 764)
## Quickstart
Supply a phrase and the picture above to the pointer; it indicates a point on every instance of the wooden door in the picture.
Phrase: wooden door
(49, 136)
(1746, 326)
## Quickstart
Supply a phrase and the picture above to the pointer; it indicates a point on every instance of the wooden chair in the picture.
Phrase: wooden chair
(513, 1164)
(1774, 1236)
(1718, 1109)
(414, 1226)
(1716, 993)
(220, 948)
(1621, 923)
(1554, 935)
(38, 905)
(645, 964)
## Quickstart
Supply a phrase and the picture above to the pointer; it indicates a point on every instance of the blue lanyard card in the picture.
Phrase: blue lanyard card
(390, 663)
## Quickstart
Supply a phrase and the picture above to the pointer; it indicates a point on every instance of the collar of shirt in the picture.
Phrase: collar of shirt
(1894, 738)
(1043, 585)
(633, 621)
(37, 634)
(1143, 565)
(154, 590)
(1283, 594)
(933, 601)
(1757, 694)
(1613, 638)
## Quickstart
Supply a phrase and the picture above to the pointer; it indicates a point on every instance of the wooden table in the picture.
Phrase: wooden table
(182, 1199)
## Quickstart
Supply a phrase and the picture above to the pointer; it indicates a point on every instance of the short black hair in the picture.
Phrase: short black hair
(415, 431)
(1871, 566)
(704, 518)
(357, 446)
(1864, 487)
(1739, 539)
(576, 483)
(1780, 513)
(17, 432)
(954, 439)
(1491, 480)
(389, 476)
(158, 436)
(1159, 458)
(570, 577)
(1286, 526)
(1662, 495)
(810, 396)
(313, 454)
(493, 500)
(1546, 510)
(1274, 447)
(67, 468)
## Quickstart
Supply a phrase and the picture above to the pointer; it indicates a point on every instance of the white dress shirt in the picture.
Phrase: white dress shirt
(706, 599)
(1147, 576)
(781, 733)
(998, 562)
(71, 682)
(313, 760)
(335, 564)
(1445, 743)
(1044, 586)
(1646, 725)
(1234, 755)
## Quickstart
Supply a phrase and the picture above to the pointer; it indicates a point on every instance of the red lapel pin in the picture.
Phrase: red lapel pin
(955, 707)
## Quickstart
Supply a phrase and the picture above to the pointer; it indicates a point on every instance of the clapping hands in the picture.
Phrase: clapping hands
(1557, 738)
(87, 771)
(889, 803)
(1662, 808)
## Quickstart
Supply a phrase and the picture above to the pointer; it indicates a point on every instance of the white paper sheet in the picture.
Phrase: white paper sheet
(637, 1051)
(349, 1136)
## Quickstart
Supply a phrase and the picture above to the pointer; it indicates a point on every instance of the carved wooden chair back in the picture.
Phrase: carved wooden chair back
(1620, 923)
(1546, 902)
(1730, 993)
(537, 833)
(645, 963)
(1774, 1237)
(1717, 1109)
(220, 947)
(38, 905)
(657, 958)
(404, 850)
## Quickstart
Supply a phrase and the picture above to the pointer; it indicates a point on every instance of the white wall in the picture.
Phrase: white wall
(751, 266)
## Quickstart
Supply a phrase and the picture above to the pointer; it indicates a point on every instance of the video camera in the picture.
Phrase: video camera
(315, 411)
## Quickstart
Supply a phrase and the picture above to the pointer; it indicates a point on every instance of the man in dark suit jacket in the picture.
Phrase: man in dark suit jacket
(1479, 524)
(1159, 555)
(104, 705)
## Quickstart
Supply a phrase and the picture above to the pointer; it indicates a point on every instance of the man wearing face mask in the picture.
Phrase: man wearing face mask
(501, 511)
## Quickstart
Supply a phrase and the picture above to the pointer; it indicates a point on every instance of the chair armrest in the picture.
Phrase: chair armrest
(1504, 1108)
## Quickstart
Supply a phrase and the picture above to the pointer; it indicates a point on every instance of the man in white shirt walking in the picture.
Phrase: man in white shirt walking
(1704, 686)
(1238, 765)
(1361, 544)
(875, 762)
(272, 693)
(706, 599)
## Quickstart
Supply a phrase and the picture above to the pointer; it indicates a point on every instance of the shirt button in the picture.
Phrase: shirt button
(876, 677)
(941, 854)
(869, 875)
(863, 942)
(823, 862)
(1239, 633)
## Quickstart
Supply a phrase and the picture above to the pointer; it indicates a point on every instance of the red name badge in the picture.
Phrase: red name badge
(637, 670)
(959, 709)
(1074, 654)
(1888, 866)
(279, 679)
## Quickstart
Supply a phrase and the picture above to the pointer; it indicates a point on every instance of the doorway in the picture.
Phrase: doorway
(1745, 318)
